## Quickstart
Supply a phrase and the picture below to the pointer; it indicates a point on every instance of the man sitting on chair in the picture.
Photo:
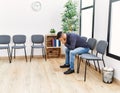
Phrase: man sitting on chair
(74, 45)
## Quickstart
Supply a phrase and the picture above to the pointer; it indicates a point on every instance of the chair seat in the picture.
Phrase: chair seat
(4, 47)
(37, 42)
(37, 46)
(90, 57)
(18, 47)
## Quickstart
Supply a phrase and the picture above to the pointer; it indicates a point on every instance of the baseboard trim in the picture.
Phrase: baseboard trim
(22, 57)
(28, 57)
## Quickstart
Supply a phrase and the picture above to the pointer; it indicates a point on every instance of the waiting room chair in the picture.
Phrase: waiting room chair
(83, 37)
(91, 43)
(19, 43)
(37, 42)
(100, 50)
(4, 44)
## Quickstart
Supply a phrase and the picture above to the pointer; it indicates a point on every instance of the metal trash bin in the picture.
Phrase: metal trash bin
(107, 74)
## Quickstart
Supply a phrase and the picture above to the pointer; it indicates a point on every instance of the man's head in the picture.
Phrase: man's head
(61, 36)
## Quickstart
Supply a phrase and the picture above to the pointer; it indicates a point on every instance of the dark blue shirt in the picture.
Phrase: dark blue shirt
(75, 41)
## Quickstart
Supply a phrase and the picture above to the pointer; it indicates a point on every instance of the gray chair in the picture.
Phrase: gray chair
(100, 50)
(4, 44)
(83, 37)
(19, 43)
(37, 42)
(92, 43)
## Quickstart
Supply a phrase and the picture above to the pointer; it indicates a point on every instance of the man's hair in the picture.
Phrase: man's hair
(59, 34)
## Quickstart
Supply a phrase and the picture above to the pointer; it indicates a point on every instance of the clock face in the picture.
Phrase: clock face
(36, 6)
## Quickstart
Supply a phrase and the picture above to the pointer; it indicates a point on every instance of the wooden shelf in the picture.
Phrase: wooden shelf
(52, 51)
(53, 47)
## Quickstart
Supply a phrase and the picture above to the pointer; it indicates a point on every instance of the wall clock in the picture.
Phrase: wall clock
(36, 6)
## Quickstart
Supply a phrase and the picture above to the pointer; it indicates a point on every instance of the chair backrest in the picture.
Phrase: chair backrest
(101, 46)
(83, 37)
(37, 38)
(4, 39)
(91, 43)
(19, 39)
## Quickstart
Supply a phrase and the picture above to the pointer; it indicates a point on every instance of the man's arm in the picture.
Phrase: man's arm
(72, 43)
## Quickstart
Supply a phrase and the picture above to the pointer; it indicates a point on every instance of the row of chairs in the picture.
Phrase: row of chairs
(19, 43)
(100, 48)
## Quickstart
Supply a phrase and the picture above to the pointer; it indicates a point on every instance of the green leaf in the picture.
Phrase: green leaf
(70, 17)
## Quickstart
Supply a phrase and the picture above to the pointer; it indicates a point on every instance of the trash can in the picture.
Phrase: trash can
(107, 74)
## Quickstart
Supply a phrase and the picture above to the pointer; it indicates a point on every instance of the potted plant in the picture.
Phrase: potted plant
(52, 31)
(70, 17)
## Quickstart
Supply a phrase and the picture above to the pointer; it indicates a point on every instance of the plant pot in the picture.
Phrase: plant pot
(52, 33)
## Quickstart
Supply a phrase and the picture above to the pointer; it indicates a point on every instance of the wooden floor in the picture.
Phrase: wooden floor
(42, 76)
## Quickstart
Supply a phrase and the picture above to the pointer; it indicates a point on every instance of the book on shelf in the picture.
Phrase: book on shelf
(56, 42)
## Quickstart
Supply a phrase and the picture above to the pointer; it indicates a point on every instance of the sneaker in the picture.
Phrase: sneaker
(69, 71)
(64, 66)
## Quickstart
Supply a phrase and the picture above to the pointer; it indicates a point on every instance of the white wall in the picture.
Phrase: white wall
(17, 17)
(101, 29)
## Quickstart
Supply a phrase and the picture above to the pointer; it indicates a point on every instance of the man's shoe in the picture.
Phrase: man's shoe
(69, 71)
(65, 66)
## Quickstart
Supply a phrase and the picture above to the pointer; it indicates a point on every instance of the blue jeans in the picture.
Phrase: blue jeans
(70, 55)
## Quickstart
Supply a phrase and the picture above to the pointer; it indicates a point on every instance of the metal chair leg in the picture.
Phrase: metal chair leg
(103, 63)
(25, 54)
(8, 50)
(14, 52)
(78, 64)
(98, 65)
(85, 70)
(31, 54)
(11, 54)
(95, 65)
(44, 53)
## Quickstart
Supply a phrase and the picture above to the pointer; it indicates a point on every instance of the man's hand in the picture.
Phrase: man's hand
(62, 40)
